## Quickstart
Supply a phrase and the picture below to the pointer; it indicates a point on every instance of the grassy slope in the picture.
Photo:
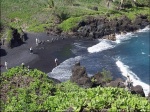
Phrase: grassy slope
(32, 91)
(34, 15)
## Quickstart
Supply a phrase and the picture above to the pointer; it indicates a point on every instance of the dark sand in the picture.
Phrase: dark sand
(43, 55)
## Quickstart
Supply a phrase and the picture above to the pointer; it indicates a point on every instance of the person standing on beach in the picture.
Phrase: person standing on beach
(31, 50)
(56, 61)
(36, 41)
(28, 67)
(22, 64)
(128, 82)
(6, 65)
(3, 41)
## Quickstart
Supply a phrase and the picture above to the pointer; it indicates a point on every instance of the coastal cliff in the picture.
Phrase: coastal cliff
(102, 27)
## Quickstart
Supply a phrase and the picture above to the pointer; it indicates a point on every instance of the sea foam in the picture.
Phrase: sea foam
(63, 71)
(135, 79)
(104, 44)
(147, 28)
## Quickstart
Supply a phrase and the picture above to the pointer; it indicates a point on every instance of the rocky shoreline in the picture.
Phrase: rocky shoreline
(80, 77)
(102, 27)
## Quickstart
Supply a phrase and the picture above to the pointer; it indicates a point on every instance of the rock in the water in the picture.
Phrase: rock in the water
(97, 80)
(117, 83)
(80, 77)
(138, 90)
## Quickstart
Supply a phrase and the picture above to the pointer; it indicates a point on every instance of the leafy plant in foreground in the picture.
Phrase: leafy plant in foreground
(40, 94)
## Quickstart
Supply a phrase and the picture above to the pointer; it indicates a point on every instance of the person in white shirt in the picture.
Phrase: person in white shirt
(37, 41)
(6, 65)
(22, 64)
(31, 50)
(56, 61)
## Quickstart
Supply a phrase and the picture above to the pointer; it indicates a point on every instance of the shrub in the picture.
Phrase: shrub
(106, 75)
(50, 3)
(37, 93)
(70, 23)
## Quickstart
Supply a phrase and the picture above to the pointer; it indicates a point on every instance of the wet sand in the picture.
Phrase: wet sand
(43, 55)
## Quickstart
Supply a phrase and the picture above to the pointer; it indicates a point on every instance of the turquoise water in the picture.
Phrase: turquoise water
(135, 53)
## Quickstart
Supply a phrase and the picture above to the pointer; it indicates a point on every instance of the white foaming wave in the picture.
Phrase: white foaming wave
(147, 28)
(136, 80)
(122, 37)
(63, 71)
(103, 45)
(107, 44)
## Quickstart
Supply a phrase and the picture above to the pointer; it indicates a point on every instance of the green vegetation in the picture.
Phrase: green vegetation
(31, 90)
(69, 23)
(34, 15)
(106, 75)
(8, 33)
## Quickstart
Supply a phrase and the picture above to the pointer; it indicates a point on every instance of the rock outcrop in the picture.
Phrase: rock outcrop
(138, 90)
(14, 39)
(80, 77)
(99, 27)
(98, 80)
(117, 83)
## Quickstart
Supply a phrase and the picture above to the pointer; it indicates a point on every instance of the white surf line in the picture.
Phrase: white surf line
(63, 71)
(105, 44)
(136, 80)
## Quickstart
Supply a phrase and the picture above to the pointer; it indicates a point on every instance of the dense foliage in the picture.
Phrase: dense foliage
(34, 15)
(31, 90)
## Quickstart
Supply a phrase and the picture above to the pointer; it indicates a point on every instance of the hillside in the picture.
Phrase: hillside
(23, 89)
(31, 90)
(36, 15)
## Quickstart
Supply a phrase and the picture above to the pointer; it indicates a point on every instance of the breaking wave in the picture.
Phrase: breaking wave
(63, 71)
(135, 79)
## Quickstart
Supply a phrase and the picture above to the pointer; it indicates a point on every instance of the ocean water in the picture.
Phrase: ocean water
(128, 55)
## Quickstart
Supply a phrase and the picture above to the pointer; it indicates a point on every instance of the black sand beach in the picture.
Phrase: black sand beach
(43, 55)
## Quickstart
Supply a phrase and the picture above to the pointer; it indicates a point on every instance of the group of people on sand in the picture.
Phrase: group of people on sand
(23, 65)
(31, 52)
(37, 41)
(6, 65)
